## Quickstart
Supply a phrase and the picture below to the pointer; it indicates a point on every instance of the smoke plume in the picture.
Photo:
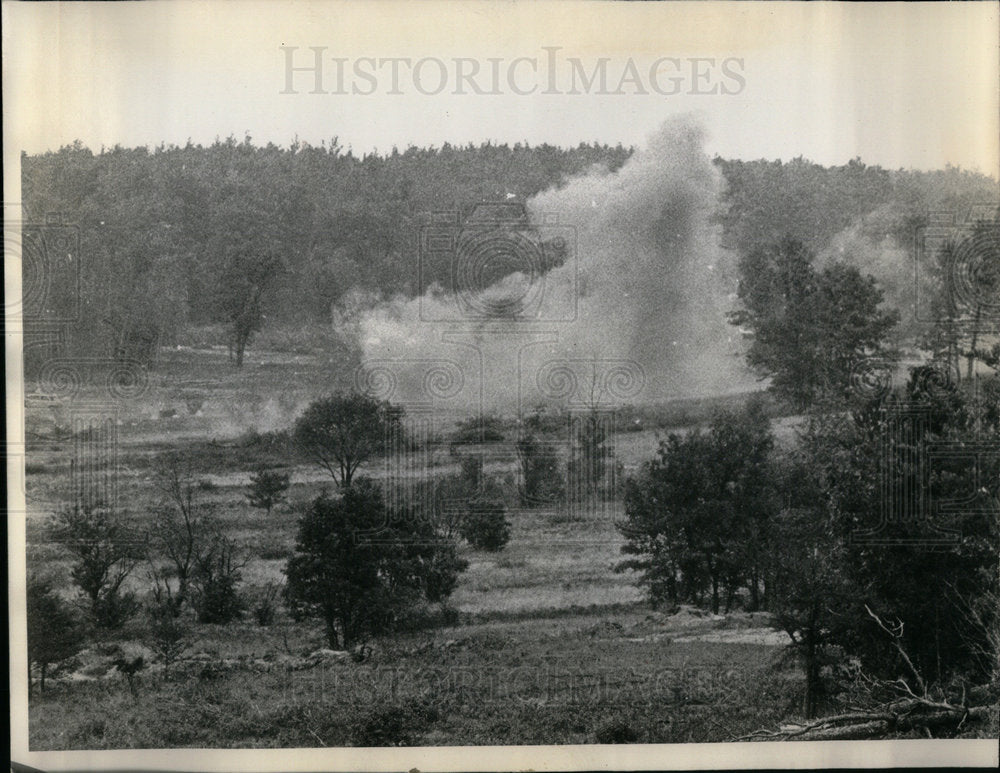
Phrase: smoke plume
(635, 313)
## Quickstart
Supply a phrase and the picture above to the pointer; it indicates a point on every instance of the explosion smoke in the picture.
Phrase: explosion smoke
(648, 288)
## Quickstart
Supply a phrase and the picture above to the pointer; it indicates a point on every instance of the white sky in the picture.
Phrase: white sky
(900, 84)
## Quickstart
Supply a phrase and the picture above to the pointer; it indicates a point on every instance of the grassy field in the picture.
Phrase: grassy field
(578, 676)
(544, 643)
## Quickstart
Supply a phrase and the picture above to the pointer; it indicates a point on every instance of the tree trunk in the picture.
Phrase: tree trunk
(754, 590)
(332, 638)
(730, 595)
(811, 699)
(972, 345)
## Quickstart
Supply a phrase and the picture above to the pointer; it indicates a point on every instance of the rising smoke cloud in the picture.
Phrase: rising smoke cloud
(636, 314)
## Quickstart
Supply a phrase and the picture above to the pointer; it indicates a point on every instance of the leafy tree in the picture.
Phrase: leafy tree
(591, 470)
(246, 277)
(54, 633)
(696, 515)
(485, 524)
(341, 432)
(926, 557)
(810, 328)
(217, 573)
(808, 586)
(267, 488)
(357, 566)
(106, 551)
(448, 500)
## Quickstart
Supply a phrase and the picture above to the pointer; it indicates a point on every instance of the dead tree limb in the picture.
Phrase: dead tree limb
(899, 717)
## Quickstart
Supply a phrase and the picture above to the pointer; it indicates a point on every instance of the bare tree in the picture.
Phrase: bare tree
(179, 532)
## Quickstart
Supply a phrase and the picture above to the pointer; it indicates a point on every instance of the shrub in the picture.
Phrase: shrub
(166, 632)
(265, 606)
(54, 634)
(485, 525)
(216, 576)
(542, 480)
(358, 565)
(267, 488)
(106, 551)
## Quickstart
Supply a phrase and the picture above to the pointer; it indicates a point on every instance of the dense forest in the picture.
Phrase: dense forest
(174, 239)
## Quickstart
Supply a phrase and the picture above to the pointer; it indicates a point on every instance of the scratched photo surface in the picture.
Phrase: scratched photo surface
(484, 375)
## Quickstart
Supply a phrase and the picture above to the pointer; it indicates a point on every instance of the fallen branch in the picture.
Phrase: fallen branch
(896, 635)
(900, 717)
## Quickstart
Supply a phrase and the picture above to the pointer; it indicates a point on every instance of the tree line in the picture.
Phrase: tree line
(233, 234)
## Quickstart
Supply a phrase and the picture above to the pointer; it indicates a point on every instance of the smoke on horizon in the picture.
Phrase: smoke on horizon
(636, 314)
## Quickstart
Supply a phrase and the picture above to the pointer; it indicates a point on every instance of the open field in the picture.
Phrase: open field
(542, 642)
(598, 675)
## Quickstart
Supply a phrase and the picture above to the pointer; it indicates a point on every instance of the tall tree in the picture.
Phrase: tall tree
(341, 432)
(964, 303)
(246, 277)
(696, 511)
(810, 328)
(357, 567)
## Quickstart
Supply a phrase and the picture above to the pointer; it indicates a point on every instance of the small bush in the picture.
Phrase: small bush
(485, 525)
(267, 488)
(112, 610)
(616, 731)
(217, 574)
(218, 601)
(265, 604)
(394, 725)
(166, 632)
(105, 549)
(54, 634)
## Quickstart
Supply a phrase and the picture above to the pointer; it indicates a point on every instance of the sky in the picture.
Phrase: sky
(898, 84)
